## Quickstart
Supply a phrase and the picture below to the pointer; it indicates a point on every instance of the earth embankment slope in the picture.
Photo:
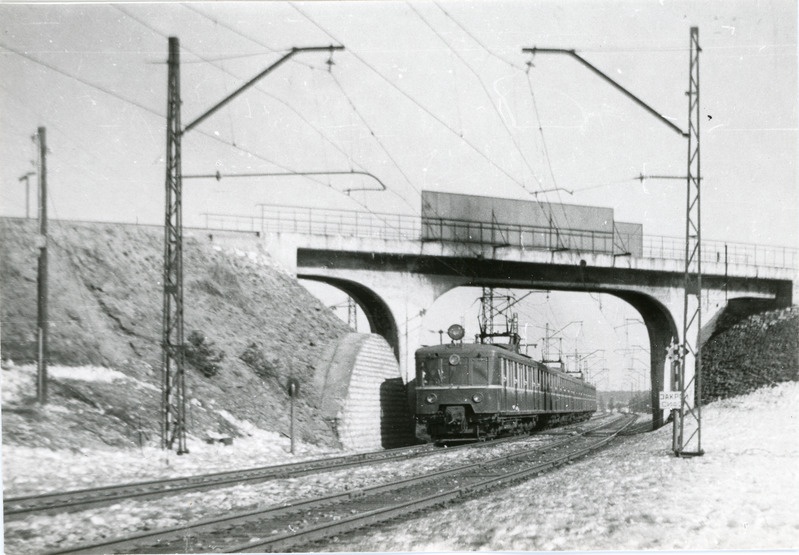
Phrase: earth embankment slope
(759, 351)
(250, 327)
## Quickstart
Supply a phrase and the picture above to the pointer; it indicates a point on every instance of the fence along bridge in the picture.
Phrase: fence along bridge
(396, 266)
(323, 222)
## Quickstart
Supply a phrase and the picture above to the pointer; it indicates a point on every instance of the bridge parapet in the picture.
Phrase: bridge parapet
(493, 238)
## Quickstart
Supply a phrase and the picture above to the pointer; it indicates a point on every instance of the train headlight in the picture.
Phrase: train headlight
(454, 360)
(477, 397)
(456, 332)
(430, 399)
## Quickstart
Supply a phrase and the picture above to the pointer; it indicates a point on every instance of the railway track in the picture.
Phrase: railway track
(76, 500)
(292, 525)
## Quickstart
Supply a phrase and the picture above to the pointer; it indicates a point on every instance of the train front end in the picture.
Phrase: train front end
(454, 400)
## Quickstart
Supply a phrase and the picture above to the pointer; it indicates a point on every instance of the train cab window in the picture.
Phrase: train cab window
(431, 372)
(480, 371)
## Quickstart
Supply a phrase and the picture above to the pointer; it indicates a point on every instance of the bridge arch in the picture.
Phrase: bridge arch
(662, 330)
(385, 319)
(377, 312)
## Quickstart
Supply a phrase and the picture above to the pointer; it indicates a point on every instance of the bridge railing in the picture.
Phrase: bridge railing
(349, 223)
(720, 252)
(342, 223)
(528, 237)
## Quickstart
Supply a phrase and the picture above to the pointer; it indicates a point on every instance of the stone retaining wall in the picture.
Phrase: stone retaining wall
(363, 396)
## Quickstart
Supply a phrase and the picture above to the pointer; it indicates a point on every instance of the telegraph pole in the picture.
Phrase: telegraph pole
(41, 243)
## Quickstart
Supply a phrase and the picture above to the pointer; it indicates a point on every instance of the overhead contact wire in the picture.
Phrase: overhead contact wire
(487, 93)
(416, 102)
(377, 139)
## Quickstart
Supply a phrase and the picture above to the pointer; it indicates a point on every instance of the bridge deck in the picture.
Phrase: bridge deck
(396, 232)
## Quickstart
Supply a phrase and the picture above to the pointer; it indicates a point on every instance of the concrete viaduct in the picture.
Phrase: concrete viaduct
(394, 280)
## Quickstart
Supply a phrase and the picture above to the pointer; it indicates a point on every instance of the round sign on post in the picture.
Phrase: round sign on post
(293, 387)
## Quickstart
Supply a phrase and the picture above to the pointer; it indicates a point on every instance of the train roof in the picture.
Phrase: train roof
(485, 349)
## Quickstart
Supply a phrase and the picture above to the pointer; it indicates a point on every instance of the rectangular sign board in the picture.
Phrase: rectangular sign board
(670, 400)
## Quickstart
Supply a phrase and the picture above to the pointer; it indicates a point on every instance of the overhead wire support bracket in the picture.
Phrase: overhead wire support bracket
(251, 82)
(641, 177)
(573, 53)
(218, 176)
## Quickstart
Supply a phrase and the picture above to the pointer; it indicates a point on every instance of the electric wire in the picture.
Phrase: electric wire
(516, 66)
(233, 144)
(513, 66)
(334, 39)
(418, 104)
(319, 117)
(131, 102)
(608, 184)
(161, 116)
(547, 156)
(225, 58)
(306, 121)
(259, 89)
(137, 104)
(596, 299)
(286, 104)
(513, 139)
(426, 110)
(81, 80)
(478, 41)
(376, 138)
(233, 30)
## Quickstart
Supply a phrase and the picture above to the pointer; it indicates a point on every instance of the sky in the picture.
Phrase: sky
(425, 96)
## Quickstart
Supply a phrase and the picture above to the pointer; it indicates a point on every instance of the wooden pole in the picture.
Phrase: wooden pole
(41, 326)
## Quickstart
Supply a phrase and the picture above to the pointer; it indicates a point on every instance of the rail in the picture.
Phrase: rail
(294, 523)
(350, 223)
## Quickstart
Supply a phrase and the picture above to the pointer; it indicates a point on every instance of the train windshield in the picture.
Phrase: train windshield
(431, 372)
(456, 370)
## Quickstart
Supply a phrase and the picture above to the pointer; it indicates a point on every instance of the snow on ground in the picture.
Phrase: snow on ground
(47, 533)
(31, 470)
(19, 383)
(742, 494)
